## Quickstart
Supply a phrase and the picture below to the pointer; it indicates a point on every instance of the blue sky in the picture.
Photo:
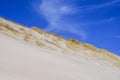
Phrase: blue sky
(92, 21)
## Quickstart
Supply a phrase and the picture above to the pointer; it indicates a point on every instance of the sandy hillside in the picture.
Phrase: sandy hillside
(33, 54)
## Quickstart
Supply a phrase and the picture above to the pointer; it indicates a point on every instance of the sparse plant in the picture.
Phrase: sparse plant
(1, 26)
(39, 43)
(74, 41)
(37, 30)
(10, 28)
(60, 38)
(22, 29)
(26, 37)
(73, 45)
(90, 47)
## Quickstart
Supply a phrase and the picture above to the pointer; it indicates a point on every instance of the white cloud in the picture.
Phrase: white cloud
(91, 7)
(55, 11)
(98, 22)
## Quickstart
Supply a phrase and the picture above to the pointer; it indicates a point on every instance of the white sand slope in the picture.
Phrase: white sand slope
(24, 60)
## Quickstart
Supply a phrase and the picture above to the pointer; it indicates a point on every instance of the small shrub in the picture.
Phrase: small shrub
(22, 29)
(74, 41)
(26, 37)
(39, 43)
(60, 38)
(37, 30)
(88, 46)
(73, 44)
(9, 28)
(1, 26)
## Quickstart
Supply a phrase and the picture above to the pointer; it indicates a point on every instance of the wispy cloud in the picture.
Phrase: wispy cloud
(102, 5)
(55, 11)
(98, 22)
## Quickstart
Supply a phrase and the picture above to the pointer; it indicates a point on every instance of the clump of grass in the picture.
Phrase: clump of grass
(22, 29)
(10, 28)
(90, 47)
(39, 43)
(38, 30)
(73, 44)
(73, 47)
(47, 33)
(108, 54)
(1, 26)
(27, 37)
(74, 41)
(60, 38)
(112, 56)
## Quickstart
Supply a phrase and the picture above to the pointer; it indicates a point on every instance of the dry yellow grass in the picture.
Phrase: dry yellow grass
(22, 29)
(1, 26)
(89, 47)
(38, 43)
(56, 40)
(27, 37)
(10, 28)
(74, 41)
(38, 30)
(60, 38)
(73, 46)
